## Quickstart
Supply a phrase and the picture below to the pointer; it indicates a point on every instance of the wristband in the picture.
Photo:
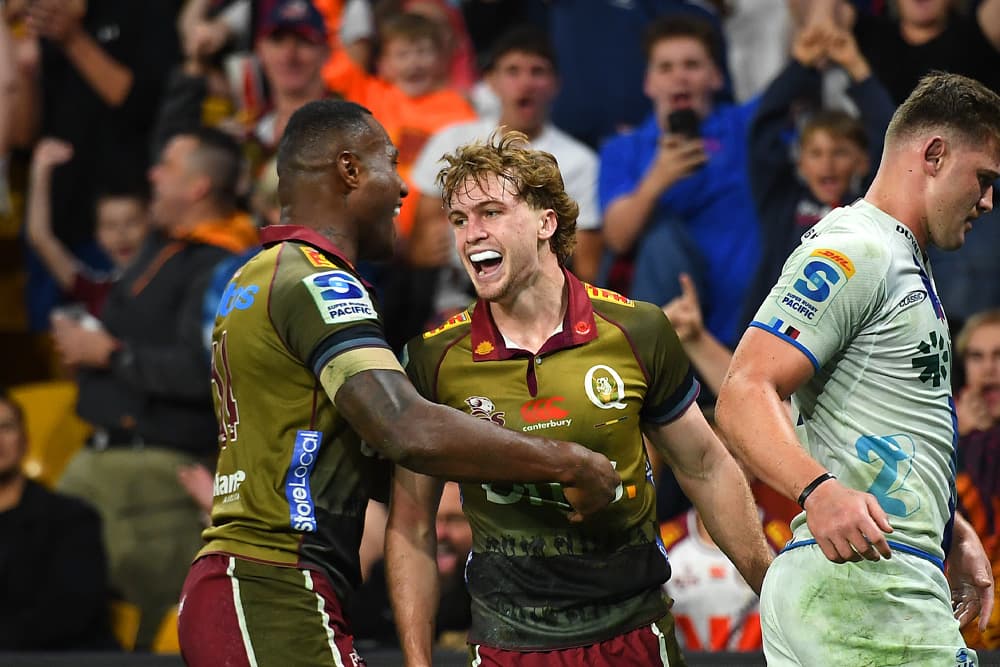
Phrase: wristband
(806, 492)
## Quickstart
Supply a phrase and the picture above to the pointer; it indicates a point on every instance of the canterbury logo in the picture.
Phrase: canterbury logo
(542, 409)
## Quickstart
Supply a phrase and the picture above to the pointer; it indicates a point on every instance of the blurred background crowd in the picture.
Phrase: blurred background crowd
(700, 138)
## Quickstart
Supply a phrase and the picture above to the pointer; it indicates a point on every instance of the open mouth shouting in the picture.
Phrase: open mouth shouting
(681, 101)
(486, 262)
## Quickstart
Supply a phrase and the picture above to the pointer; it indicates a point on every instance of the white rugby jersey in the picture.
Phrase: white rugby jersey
(714, 608)
(857, 298)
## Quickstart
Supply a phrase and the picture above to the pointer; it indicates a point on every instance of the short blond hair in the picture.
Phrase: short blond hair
(532, 175)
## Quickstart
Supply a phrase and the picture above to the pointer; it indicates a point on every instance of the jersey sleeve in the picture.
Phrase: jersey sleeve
(672, 385)
(323, 311)
(420, 360)
(829, 288)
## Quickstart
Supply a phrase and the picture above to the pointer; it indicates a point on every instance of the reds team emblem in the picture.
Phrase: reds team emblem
(482, 408)
(604, 387)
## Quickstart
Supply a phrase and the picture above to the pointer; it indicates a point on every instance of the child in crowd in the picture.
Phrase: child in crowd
(409, 97)
(122, 225)
(834, 150)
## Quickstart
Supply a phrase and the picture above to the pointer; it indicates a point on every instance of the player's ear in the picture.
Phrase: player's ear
(547, 224)
(935, 149)
(349, 169)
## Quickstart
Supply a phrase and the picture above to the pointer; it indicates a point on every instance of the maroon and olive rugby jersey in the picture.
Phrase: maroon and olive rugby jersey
(537, 581)
(293, 478)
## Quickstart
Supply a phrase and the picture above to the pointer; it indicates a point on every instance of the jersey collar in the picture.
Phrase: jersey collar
(274, 234)
(578, 327)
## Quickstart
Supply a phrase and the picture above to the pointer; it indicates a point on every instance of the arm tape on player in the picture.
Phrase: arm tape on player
(350, 363)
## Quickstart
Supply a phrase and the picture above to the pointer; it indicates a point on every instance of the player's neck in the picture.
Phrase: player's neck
(529, 317)
(319, 211)
(901, 197)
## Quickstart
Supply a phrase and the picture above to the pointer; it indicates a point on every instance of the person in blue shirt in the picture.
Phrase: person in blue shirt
(679, 203)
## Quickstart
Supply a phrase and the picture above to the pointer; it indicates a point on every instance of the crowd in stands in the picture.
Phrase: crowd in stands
(701, 140)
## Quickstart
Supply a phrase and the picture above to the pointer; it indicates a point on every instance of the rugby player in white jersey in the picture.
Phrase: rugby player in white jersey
(880, 569)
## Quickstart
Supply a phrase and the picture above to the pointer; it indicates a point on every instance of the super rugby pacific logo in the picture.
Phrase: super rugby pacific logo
(340, 297)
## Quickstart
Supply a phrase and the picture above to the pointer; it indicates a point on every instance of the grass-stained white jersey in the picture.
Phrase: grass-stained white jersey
(857, 298)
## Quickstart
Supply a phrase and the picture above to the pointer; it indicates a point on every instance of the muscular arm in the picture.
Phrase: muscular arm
(386, 410)
(411, 565)
(766, 370)
(713, 481)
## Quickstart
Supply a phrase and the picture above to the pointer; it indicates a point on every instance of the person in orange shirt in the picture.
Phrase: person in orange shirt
(409, 98)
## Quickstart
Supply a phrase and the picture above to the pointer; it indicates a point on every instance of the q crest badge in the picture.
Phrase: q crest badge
(604, 387)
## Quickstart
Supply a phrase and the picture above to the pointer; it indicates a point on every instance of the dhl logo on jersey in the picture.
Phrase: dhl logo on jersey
(837, 258)
(602, 294)
(317, 259)
(451, 323)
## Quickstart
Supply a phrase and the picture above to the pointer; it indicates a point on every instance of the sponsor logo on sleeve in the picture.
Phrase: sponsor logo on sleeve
(236, 297)
(340, 297)
(452, 322)
(316, 258)
(602, 294)
(822, 275)
(838, 258)
(298, 492)
(912, 299)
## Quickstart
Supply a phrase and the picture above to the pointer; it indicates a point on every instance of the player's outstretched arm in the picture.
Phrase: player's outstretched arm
(411, 564)
(847, 524)
(970, 575)
(386, 410)
(713, 481)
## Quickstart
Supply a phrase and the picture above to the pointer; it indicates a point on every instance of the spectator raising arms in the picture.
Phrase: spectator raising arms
(122, 226)
(832, 154)
(143, 372)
